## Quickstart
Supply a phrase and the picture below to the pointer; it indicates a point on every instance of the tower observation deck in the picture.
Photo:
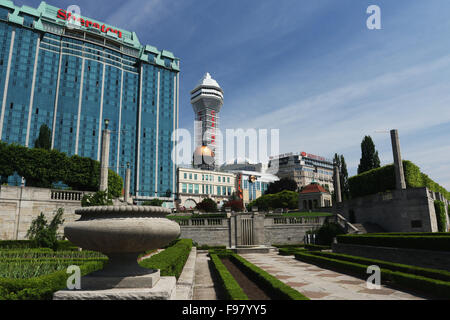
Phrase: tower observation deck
(207, 100)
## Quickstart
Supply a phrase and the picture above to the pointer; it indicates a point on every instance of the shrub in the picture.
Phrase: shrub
(441, 217)
(231, 288)
(435, 243)
(170, 261)
(43, 234)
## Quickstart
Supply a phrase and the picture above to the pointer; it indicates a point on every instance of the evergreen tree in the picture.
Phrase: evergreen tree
(369, 156)
(44, 140)
(343, 172)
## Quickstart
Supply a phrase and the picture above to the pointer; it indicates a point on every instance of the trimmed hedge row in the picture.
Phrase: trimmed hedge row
(383, 179)
(432, 287)
(289, 251)
(30, 244)
(441, 216)
(43, 287)
(316, 247)
(271, 285)
(231, 288)
(419, 271)
(436, 234)
(170, 261)
(434, 243)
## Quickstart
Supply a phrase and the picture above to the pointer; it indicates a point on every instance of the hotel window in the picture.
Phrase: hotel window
(229, 191)
(228, 179)
(184, 188)
(190, 188)
(185, 175)
(219, 179)
(195, 176)
(224, 191)
(196, 188)
(218, 190)
(190, 176)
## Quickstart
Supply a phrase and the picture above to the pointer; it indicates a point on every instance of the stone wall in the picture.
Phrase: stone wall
(20, 205)
(264, 230)
(415, 257)
(396, 211)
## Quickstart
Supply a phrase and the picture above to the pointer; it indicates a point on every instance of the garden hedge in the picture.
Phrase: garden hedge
(441, 216)
(432, 287)
(230, 286)
(419, 271)
(28, 244)
(434, 243)
(272, 286)
(170, 261)
(42, 168)
(43, 287)
(383, 179)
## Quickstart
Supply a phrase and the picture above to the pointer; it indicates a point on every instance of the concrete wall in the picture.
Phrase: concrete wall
(420, 258)
(20, 205)
(265, 230)
(394, 211)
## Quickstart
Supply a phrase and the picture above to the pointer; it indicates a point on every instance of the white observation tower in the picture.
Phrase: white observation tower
(207, 100)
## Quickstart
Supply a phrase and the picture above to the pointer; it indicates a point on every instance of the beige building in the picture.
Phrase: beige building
(304, 168)
(313, 197)
(194, 185)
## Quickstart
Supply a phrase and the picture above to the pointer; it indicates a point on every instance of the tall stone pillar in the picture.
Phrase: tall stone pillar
(398, 164)
(127, 183)
(337, 185)
(104, 159)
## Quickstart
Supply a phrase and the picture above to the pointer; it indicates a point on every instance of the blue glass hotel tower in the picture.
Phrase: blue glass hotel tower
(71, 73)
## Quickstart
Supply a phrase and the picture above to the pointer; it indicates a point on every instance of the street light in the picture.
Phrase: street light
(106, 123)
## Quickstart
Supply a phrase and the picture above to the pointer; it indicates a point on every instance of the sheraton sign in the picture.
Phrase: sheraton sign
(68, 16)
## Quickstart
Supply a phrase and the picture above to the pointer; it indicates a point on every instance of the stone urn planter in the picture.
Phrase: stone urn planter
(122, 233)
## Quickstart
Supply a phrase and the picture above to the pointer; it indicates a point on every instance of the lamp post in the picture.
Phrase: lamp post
(104, 159)
(127, 183)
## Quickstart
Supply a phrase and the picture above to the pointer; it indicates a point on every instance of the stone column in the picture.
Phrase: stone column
(398, 164)
(127, 183)
(337, 185)
(104, 159)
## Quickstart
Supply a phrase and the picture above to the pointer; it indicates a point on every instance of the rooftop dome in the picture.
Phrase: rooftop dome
(208, 81)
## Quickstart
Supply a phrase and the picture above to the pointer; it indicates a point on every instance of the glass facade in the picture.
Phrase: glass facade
(72, 79)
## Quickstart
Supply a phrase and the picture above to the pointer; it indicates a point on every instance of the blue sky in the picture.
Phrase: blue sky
(310, 68)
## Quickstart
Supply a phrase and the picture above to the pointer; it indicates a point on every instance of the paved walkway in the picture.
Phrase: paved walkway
(321, 284)
(204, 284)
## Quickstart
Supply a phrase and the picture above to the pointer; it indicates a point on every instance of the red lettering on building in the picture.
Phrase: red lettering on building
(64, 15)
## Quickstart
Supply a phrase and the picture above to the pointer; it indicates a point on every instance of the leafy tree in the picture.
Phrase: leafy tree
(280, 200)
(207, 205)
(42, 168)
(44, 234)
(44, 140)
(153, 202)
(99, 198)
(282, 184)
(369, 156)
